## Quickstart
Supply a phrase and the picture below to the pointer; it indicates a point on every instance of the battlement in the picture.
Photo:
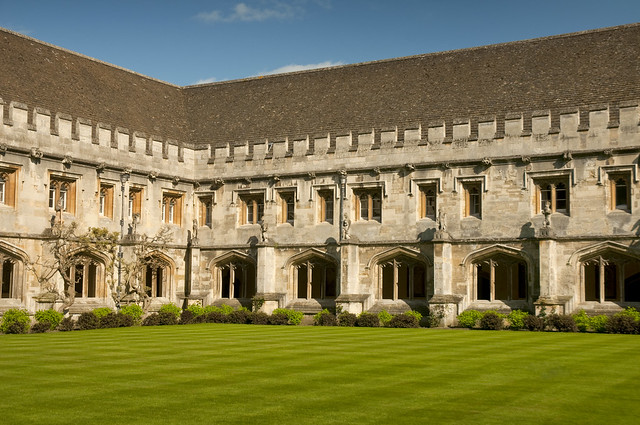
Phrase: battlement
(91, 142)
(524, 133)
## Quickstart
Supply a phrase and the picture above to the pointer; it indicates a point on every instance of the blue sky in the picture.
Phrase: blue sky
(188, 42)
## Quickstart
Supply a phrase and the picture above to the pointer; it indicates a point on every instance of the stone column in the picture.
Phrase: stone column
(266, 278)
(350, 298)
(444, 302)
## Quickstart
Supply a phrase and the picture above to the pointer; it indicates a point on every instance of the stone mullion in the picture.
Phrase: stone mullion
(492, 268)
(411, 269)
(309, 281)
(232, 279)
(395, 280)
(601, 280)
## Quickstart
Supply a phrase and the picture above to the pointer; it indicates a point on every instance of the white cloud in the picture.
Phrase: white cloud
(242, 12)
(296, 67)
(206, 81)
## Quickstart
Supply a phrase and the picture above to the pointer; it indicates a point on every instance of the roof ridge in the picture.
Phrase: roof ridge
(422, 55)
(101, 62)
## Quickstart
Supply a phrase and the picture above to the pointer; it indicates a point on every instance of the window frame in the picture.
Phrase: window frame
(105, 199)
(326, 205)
(8, 178)
(251, 208)
(365, 204)
(551, 185)
(62, 188)
(473, 202)
(287, 201)
(171, 207)
(614, 204)
(206, 202)
(423, 190)
(134, 202)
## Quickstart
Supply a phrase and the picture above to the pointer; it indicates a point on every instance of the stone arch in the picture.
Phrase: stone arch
(234, 275)
(158, 275)
(88, 273)
(607, 272)
(12, 272)
(400, 274)
(313, 274)
(499, 273)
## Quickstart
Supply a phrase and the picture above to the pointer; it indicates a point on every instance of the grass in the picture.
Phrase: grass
(208, 373)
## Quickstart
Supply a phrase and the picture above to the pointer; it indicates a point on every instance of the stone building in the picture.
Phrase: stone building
(497, 177)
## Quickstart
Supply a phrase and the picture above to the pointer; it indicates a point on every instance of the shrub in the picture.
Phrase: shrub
(384, 317)
(516, 319)
(599, 323)
(161, 318)
(186, 317)
(87, 321)
(562, 323)
(195, 309)
(116, 320)
(279, 318)
(582, 321)
(347, 319)
(295, 317)
(469, 318)
(534, 323)
(629, 312)
(415, 314)
(622, 324)
(67, 324)
(259, 318)
(133, 310)
(50, 316)
(491, 320)
(224, 309)
(239, 317)
(171, 309)
(215, 317)
(101, 312)
(325, 318)
(40, 327)
(404, 320)
(367, 320)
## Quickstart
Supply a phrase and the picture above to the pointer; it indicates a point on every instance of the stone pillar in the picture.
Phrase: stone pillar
(443, 302)
(266, 278)
(547, 264)
(350, 298)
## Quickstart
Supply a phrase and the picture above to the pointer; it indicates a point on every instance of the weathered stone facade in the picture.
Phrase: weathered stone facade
(525, 196)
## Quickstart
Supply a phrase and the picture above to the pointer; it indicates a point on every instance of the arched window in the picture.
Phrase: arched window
(611, 277)
(157, 277)
(500, 277)
(315, 277)
(8, 277)
(237, 279)
(85, 276)
(402, 277)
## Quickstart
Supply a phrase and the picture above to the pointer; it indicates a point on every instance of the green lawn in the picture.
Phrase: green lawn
(208, 373)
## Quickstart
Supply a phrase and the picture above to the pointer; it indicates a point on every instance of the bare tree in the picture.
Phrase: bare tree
(66, 247)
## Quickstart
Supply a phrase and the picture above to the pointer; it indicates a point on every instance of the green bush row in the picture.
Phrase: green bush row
(625, 322)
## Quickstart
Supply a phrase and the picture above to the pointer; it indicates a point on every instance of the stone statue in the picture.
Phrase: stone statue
(346, 224)
(442, 217)
(263, 229)
(194, 232)
(547, 213)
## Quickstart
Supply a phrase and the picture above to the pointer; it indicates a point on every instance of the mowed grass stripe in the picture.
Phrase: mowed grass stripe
(268, 374)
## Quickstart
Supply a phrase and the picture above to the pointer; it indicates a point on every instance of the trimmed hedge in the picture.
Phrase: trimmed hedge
(15, 321)
(492, 321)
(347, 319)
(404, 320)
(325, 318)
(367, 320)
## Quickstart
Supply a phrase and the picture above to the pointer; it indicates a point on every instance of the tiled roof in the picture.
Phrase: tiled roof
(45, 76)
(592, 67)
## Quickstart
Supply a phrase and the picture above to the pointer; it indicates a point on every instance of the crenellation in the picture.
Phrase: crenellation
(301, 147)
(343, 142)
(569, 122)
(63, 126)
(436, 132)
(461, 129)
(18, 115)
(540, 123)
(41, 120)
(629, 118)
(121, 139)
(513, 124)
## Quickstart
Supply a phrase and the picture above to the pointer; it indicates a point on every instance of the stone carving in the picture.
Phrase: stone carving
(263, 229)
(346, 224)
(36, 154)
(67, 161)
(152, 175)
(3, 148)
(175, 180)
